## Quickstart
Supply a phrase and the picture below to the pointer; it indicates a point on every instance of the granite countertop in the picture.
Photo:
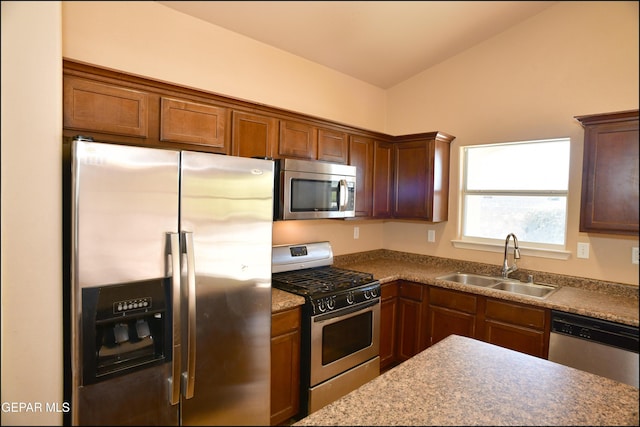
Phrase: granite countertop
(608, 301)
(462, 381)
(281, 300)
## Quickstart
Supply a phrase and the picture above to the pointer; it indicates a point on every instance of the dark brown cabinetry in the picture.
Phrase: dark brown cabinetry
(421, 180)
(361, 156)
(388, 328)
(609, 202)
(285, 365)
(383, 180)
(253, 135)
(412, 330)
(193, 123)
(451, 312)
(305, 141)
(517, 326)
(104, 108)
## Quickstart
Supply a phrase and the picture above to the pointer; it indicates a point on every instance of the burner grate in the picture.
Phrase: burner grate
(320, 280)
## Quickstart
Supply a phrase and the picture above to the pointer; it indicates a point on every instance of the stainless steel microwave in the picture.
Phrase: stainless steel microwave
(307, 189)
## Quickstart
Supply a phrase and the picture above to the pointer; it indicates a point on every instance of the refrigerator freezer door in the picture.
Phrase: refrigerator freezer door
(124, 201)
(227, 205)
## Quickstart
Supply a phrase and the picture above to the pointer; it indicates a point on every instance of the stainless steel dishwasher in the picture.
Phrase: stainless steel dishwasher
(598, 346)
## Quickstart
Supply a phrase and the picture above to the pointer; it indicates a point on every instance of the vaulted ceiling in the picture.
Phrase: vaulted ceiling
(379, 42)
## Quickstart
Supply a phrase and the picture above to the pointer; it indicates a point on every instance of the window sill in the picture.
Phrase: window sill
(489, 247)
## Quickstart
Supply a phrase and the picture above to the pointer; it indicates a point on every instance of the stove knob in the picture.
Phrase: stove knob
(374, 293)
(321, 306)
(350, 298)
(331, 303)
(367, 295)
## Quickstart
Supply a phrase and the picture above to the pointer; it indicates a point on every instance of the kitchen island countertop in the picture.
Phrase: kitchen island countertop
(462, 381)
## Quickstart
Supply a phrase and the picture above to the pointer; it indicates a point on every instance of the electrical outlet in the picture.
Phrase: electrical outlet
(356, 232)
(583, 250)
(635, 254)
(431, 236)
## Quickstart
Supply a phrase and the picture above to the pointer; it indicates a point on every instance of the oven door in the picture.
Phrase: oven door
(344, 339)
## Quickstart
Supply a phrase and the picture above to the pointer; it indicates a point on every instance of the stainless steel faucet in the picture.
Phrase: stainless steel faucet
(516, 255)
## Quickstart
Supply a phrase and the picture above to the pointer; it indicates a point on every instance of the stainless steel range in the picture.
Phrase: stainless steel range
(340, 322)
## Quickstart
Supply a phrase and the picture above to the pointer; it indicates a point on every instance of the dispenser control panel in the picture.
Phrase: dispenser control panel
(132, 304)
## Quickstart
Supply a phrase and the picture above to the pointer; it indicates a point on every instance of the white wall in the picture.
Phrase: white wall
(31, 212)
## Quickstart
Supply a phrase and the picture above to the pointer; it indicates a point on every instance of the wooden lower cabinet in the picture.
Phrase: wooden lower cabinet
(415, 316)
(517, 326)
(285, 365)
(388, 329)
(451, 312)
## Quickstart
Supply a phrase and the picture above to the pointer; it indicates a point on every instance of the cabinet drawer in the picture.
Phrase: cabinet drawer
(515, 314)
(453, 300)
(389, 290)
(285, 321)
(411, 290)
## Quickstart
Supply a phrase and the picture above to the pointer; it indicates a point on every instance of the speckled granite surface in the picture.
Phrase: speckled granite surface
(281, 300)
(603, 300)
(461, 381)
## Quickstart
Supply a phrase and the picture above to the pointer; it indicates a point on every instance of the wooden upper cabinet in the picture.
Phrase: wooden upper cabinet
(104, 108)
(361, 156)
(189, 122)
(254, 135)
(382, 203)
(297, 139)
(609, 202)
(333, 146)
(421, 181)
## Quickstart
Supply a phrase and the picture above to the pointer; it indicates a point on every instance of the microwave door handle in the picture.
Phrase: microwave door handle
(344, 196)
(173, 270)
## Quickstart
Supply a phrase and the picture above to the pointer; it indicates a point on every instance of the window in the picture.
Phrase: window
(518, 187)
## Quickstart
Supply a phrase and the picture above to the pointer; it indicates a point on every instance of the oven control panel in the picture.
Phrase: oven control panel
(351, 297)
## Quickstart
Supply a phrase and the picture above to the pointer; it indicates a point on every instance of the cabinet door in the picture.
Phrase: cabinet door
(332, 146)
(361, 156)
(189, 122)
(451, 312)
(104, 108)
(388, 316)
(285, 365)
(517, 327)
(609, 202)
(254, 135)
(421, 177)
(298, 140)
(382, 203)
(411, 320)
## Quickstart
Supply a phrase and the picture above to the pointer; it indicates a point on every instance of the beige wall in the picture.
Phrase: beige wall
(575, 58)
(31, 211)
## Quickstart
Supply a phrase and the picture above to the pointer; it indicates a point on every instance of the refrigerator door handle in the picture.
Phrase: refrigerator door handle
(173, 266)
(189, 294)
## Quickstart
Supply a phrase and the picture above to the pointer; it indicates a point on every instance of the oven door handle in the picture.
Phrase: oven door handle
(345, 311)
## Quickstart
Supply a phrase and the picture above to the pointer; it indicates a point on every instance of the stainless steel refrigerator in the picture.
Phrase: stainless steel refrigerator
(168, 286)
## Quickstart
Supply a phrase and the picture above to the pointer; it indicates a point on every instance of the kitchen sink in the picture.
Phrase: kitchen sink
(530, 289)
(470, 279)
(535, 290)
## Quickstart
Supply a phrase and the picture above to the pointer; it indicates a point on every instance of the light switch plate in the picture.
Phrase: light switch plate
(431, 236)
(356, 232)
(583, 250)
(635, 254)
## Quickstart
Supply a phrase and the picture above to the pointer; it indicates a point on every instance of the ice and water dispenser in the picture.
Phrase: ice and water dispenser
(125, 327)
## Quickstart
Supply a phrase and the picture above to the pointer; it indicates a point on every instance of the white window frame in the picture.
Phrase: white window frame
(544, 250)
